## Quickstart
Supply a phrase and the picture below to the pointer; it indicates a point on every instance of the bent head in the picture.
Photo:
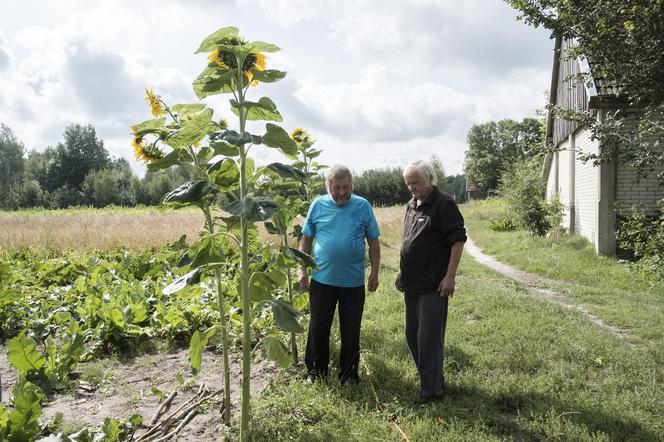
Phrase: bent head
(420, 179)
(339, 183)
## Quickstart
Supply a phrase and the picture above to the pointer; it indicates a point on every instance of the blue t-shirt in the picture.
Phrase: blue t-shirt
(339, 234)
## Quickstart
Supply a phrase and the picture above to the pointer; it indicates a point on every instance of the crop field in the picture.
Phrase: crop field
(90, 325)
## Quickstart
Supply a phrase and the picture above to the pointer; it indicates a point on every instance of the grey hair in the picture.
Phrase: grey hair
(424, 169)
(338, 172)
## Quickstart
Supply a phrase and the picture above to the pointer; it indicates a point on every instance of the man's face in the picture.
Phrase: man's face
(417, 186)
(340, 190)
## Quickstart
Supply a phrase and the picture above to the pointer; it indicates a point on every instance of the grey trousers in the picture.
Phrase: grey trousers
(426, 318)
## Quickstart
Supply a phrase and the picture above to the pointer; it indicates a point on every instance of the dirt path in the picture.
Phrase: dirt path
(124, 389)
(537, 286)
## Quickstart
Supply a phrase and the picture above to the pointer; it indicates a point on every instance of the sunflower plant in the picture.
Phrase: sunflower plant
(226, 189)
(294, 186)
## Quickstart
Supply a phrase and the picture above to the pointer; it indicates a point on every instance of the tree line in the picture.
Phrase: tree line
(79, 171)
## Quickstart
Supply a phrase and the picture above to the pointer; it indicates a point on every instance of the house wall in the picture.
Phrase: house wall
(564, 182)
(586, 194)
(632, 191)
(552, 178)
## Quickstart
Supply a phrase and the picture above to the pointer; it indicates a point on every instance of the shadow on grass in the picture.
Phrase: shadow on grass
(501, 413)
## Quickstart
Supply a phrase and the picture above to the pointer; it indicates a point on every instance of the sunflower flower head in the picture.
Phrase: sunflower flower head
(146, 153)
(156, 105)
(215, 58)
(300, 135)
(223, 124)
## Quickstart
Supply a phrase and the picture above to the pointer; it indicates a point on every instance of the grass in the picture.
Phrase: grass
(609, 288)
(517, 368)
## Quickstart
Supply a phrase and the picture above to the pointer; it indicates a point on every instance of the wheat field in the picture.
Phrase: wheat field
(137, 229)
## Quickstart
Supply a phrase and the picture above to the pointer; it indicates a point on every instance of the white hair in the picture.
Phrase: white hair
(338, 172)
(424, 169)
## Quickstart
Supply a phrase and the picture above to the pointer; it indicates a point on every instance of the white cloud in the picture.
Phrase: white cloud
(376, 82)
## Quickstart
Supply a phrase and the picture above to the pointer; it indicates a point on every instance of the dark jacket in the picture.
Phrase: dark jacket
(429, 231)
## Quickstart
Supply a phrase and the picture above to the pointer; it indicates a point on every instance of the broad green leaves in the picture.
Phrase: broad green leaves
(276, 351)
(252, 209)
(264, 109)
(197, 345)
(286, 316)
(192, 130)
(191, 193)
(209, 44)
(278, 138)
(22, 353)
(262, 284)
(193, 277)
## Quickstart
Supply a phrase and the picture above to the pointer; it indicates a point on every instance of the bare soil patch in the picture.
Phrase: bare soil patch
(127, 391)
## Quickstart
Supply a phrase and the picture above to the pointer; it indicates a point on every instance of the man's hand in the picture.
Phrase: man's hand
(446, 286)
(397, 283)
(373, 281)
(304, 281)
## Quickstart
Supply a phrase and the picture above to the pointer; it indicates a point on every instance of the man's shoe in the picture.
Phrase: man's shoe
(311, 378)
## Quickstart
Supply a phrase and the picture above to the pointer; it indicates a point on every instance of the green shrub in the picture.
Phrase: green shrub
(523, 189)
(642, 237)
(505, 224)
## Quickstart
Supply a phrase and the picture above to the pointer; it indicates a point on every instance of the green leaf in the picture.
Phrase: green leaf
(176, 157)
(155, 125)
(157, 392)
(287, 171)
(271, 228)
(209, 44)
(187, 109)
(258, 209)
(278, 138)
(301, 257)
(24, 418)
(192, 130)
(22, 353)
(183, 281)
(236, 139)
(285, 316)
(262, 284)
(224, 173)
(224, 148)
(197, 345)
(210, 249)
(192, 192)
(213, 80)
(268, 75)
(261, 46)
(264, 109)
(276, 351)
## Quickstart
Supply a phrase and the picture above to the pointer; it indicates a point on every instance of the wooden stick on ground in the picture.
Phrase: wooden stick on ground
(162, 408)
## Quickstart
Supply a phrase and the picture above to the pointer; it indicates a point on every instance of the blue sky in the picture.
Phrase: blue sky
(377, 82)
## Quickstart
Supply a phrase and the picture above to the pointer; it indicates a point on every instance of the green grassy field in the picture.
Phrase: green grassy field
(517, 368)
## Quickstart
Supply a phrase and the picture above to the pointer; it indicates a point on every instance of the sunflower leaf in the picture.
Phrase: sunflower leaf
(210, 42)
(276, 351)
(264, 109)
(286, 316)
(192, 130)
(258, 209)
(213, 80)
(193, 277)
(287, 171)
(261, 46)
(177, 156)
(268, 75)
(278, 138)
(191, 193)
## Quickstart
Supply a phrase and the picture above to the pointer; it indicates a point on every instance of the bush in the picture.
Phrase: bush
(523, 189)
(506, 224)
(642, 236)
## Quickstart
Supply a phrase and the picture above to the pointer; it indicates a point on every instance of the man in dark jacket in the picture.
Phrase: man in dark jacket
(433, 239)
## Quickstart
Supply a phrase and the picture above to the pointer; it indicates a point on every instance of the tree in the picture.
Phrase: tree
(11, 162)
(495, 147)
(624, 41)
(80, 153)
(456, 185)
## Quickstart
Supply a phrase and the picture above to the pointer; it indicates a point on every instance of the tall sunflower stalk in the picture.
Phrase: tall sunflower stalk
(226, 180)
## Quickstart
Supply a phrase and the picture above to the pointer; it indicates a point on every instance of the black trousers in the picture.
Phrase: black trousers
(426, 319)
(323, 300)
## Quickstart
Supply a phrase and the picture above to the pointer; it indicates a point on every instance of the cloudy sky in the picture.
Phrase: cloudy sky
(377, 82)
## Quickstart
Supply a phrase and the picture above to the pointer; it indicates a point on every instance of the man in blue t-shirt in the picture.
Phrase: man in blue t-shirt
(337, 225)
